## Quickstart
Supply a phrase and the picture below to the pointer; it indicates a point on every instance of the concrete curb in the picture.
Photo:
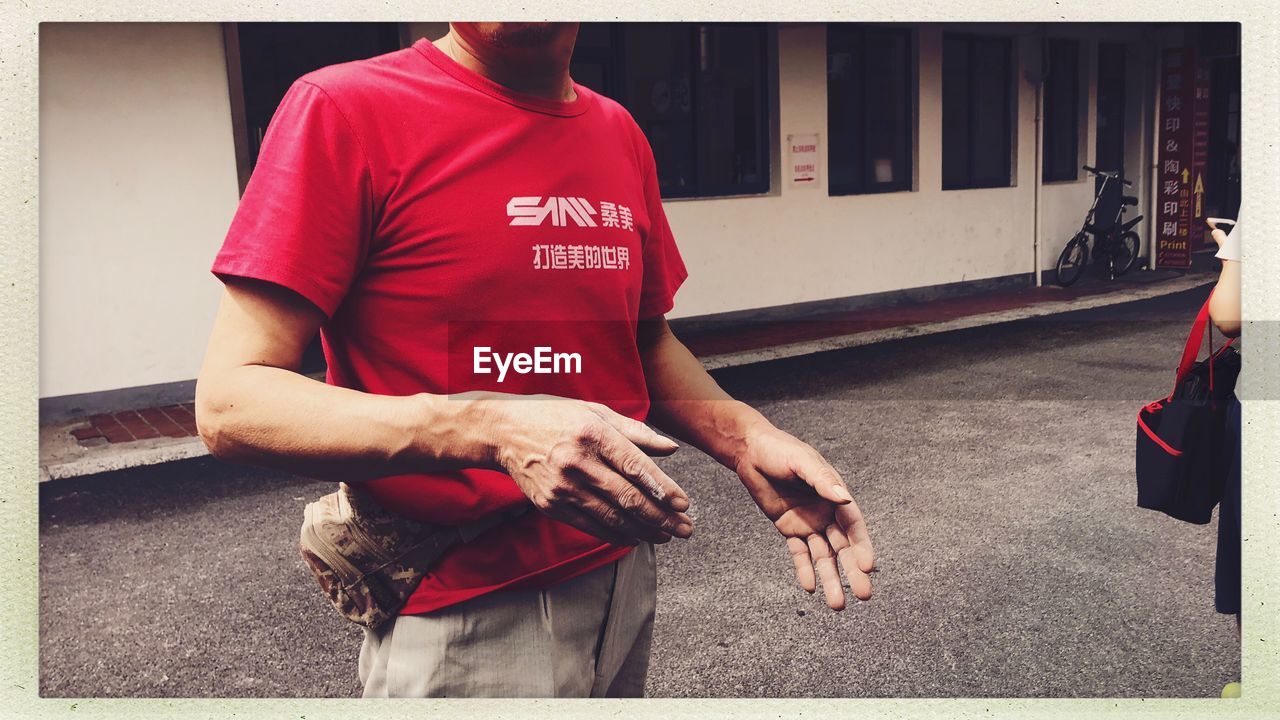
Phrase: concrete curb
(870, 337)
(66, 462)
(107, 458)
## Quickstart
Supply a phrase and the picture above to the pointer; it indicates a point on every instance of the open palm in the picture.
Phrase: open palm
(812, 508)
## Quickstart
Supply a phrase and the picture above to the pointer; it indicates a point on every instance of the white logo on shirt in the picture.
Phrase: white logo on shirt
(533, 210)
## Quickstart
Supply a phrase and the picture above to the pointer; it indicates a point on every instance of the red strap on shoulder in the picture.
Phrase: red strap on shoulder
(1192, 348)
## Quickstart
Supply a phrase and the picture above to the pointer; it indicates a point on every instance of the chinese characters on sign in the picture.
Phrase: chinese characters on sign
(803, 152)
(1199, 148)
(1181, 141)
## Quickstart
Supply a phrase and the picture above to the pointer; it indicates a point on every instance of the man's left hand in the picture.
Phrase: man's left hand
(812, 507)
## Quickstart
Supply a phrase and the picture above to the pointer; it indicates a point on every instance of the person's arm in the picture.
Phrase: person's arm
(1224, 305)
(792, 483)
(578, 462)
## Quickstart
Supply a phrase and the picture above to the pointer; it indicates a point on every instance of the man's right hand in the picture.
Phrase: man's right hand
(585, 465)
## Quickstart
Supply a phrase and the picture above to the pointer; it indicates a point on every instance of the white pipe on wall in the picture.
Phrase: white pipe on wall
(1038, 181)
(1036, 232)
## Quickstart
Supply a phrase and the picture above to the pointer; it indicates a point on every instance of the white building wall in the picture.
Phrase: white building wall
(137, 186)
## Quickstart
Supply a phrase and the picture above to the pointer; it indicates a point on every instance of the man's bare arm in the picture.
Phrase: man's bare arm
(253, 406)
(688, 403)
(578, 462)
(792, 483)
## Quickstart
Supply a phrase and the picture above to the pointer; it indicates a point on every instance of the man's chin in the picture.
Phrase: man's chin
(521, 35)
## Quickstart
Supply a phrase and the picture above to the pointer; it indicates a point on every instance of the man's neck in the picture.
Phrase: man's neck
(538, 73)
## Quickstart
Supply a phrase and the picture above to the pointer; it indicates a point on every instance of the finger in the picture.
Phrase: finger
(589, 525)
(615, 490)
(818, 473)
(804, 565)
(613, 518)
(641, 435)
(854, 525)
(859, 580)
(825, 561)
(640, 470)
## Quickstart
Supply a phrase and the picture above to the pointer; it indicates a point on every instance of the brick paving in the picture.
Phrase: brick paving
(174, 421)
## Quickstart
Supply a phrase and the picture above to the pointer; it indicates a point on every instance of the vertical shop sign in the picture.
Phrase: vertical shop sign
(1173, 185)
(1183, 143)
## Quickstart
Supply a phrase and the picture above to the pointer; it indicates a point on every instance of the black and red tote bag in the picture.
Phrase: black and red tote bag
(1181, 453)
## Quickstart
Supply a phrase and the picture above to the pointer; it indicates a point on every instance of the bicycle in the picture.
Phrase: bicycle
(1113, 239)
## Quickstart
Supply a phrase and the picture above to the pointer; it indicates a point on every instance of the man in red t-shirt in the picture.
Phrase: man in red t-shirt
(481, 243)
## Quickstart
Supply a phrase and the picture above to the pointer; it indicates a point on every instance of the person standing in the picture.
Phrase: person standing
(1225, 311)
(461, 201)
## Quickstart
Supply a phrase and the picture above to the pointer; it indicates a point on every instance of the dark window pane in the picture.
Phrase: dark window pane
(955, 111)
(869, 109)
(594, 59)
(844, 108)
(659, 94)
(593, 36)
(886, 110)
(1110, 144)
(591, 74)
(697, 93)
(1061, 111)
(990, 96)
(976, 107)
(729, 107)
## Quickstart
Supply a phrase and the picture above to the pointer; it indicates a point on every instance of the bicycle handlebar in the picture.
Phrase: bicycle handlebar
(1104, 173)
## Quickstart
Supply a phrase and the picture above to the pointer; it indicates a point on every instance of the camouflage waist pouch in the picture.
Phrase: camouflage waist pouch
(368, 560)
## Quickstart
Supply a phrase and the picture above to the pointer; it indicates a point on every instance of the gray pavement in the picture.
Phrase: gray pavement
(994, 465)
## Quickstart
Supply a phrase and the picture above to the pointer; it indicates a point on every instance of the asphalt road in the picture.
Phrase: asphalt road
(995, 466)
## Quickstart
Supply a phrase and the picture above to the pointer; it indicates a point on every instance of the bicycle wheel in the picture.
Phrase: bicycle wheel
(1126, 252)
(1072, 260)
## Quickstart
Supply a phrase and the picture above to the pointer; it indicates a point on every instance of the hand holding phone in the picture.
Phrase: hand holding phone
(1215, 222)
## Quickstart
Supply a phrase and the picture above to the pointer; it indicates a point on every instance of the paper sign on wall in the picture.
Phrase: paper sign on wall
(803, 154)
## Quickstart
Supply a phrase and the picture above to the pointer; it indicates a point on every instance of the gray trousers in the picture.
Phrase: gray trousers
(587, 637)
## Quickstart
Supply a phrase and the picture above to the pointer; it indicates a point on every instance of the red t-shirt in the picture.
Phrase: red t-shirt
(430, 213)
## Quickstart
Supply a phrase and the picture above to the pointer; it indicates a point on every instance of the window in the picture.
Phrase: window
(977, 127)
(1061, 159)
(870, 108)
(698, 93)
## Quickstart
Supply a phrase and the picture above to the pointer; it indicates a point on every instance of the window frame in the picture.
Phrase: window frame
(910, 103)
(1010, 93)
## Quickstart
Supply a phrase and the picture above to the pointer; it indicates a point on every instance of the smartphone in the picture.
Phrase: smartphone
(1215, 222)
